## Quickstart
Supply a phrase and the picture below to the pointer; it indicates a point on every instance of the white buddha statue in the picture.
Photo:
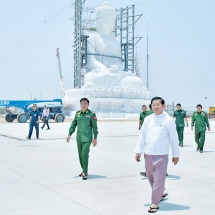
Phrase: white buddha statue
(105, 71)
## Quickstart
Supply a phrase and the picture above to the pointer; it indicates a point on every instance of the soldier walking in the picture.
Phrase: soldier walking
(180, 116)
(143, 115)
(150, 110)
(200, 120)
(87, 131)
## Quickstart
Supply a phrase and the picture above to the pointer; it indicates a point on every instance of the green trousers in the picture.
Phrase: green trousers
(180, 131)
(200, 139)
(83, 152)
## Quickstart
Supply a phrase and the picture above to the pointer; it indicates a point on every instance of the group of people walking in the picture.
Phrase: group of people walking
(158, 132)
(35, 120)
(199, 121)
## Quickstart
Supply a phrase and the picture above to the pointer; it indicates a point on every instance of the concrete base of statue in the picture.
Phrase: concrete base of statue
(116, 102)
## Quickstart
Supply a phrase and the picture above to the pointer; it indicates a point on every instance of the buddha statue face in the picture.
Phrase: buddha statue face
(105, 18)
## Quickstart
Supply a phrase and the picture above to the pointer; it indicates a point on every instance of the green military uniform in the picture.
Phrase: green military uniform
(87, 130)
(200, 120)
(143, 115)
(149, 112)
(179, 120)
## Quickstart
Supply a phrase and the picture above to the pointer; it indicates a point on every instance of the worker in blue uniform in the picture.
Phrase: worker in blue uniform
(34, 122)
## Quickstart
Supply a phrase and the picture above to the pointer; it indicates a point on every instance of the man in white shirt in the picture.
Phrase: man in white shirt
(158, 132)
(45, 117)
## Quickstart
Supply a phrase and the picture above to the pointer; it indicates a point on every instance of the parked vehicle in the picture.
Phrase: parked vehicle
(54, 106)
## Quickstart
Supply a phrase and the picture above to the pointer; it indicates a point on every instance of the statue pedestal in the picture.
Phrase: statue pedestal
(117, 102)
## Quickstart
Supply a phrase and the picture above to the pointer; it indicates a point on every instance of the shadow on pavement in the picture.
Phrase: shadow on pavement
(144, 178)
(207, 151)
(90, 177)
(96, 176)
(165, 206)
(173, 177)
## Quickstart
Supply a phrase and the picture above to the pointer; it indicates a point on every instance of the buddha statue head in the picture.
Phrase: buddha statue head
(105, 18)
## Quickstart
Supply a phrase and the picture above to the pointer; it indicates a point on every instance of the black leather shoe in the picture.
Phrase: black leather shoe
(143, 174)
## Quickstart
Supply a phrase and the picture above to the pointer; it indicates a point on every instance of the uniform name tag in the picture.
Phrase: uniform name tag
(88, 116)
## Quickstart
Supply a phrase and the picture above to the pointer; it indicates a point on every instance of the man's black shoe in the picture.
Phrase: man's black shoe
(143, 174)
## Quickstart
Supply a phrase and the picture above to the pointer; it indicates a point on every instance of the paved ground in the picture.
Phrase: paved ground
(39, 177)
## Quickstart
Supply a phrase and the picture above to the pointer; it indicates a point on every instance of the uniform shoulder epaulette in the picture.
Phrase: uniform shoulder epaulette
(78, 111)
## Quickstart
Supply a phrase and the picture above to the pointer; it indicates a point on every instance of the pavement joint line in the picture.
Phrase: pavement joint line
(47, 187)
(16, 138)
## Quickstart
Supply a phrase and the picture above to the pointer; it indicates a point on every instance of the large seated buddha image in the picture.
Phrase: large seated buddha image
(112, 90)
(104, 68)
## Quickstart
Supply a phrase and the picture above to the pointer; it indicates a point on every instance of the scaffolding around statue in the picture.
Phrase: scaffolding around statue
(105, 67)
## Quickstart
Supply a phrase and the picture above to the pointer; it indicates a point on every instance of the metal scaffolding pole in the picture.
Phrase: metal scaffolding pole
(125, 30)
(77, 43)
(147, 75)
(133, 29)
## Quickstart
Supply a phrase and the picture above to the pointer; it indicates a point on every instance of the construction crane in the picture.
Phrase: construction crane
(60, 72)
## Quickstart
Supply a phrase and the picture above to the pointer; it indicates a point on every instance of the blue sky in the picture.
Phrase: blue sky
(181, 47)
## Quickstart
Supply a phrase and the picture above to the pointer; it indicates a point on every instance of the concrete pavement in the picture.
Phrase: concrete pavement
(40, 177)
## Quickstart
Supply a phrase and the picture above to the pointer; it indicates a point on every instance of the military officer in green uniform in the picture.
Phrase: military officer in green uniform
(87, 131)
(200, 120)
(143, 115)
(150, 110)
(180, 116)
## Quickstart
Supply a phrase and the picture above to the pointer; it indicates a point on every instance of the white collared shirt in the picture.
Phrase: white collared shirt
(45, 112)
(157, 134)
